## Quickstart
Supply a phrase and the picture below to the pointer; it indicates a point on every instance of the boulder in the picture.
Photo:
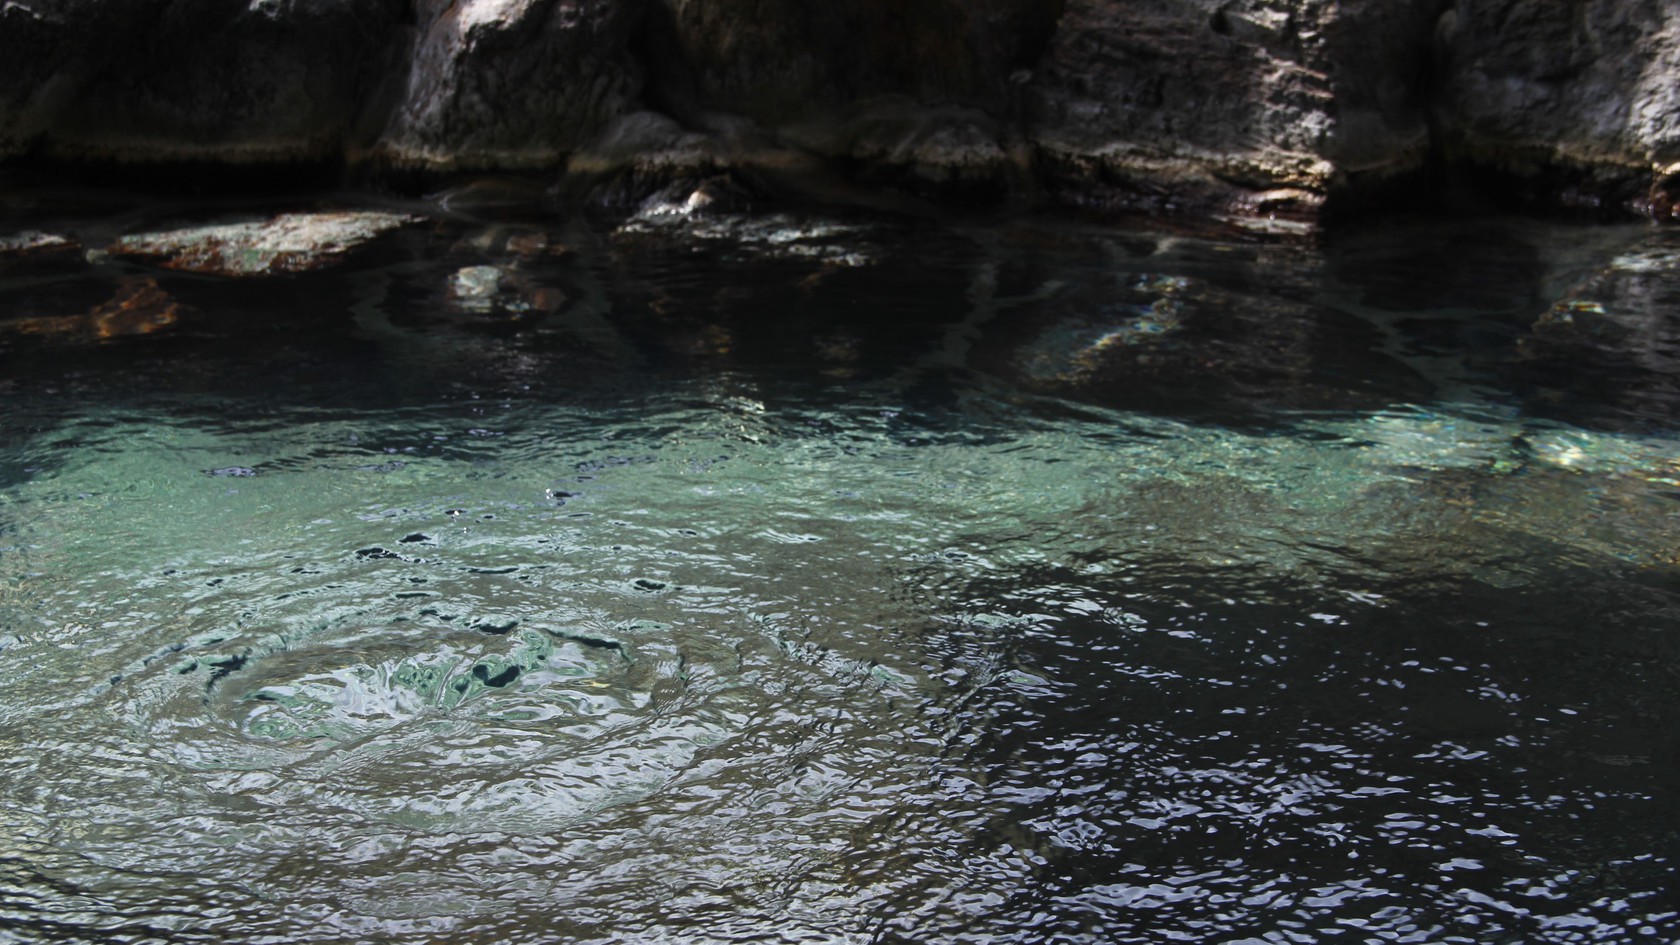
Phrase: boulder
(293, 242)
(511, 83)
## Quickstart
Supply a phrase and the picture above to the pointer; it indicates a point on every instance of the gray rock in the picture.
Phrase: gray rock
(511, 83)
(912, 145)
(35, 247)
(783, 62)
(652, 150)
(1198, 104)
(916, 94)
(294, 242)
(1259, 112)
(501, 291)
(1579, 98)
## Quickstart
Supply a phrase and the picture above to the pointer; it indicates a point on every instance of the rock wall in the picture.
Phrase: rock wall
(511, 83)
(1575, 101)
(1250, 109)
(1234, 105)
(153, 80)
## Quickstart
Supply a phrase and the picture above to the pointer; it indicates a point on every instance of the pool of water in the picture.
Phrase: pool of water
(831, 578)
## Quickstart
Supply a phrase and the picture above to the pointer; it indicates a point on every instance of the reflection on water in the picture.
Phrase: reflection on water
(854, 580)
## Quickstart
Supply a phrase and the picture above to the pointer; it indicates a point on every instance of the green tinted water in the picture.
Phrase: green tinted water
(848, 581)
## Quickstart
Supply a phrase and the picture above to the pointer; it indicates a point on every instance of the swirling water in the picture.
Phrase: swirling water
(835, 579)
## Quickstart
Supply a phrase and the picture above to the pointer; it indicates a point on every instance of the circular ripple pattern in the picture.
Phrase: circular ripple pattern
(1024, 585)
(643, 672)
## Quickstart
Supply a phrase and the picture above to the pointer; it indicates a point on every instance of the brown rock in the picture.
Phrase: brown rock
(140, 307)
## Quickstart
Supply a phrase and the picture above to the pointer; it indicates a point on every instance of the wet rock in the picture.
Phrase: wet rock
(521, 242)
(35, 248)
(646, 157)
(293, 242)
(1073, 350)
(910, 94)
(932, 149)
(501, 291)
(648, 143)
(684, 199)
(1606, 352)
(828, 242)
(511, 83)
(474, 288)
(139, 307)
(1160, 329)
(531, 245)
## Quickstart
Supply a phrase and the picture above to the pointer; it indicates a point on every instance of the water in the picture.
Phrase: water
(827, 578)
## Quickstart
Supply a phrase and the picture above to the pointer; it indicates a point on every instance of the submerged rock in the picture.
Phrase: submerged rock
(139, 307)
(502, 291)
(771, 236)
(1606, 352)
(293, 242)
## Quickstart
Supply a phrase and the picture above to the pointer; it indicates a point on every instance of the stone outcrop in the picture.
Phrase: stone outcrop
(1574, 101)
(511, 83)
(1258, 105)
(1255, 110)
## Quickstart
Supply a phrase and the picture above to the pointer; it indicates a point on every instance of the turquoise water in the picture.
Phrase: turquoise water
(827, 578)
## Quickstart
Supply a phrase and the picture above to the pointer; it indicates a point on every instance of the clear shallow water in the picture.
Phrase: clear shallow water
(847, 580)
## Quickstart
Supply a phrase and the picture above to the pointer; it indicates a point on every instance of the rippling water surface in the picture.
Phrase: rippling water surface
(838, 579)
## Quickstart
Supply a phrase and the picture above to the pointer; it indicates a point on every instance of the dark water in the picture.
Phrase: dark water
(829, 578)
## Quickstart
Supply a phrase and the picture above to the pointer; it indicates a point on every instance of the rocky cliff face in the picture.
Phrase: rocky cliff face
(1249, 109)
(510, 83)
(151, 80)
(1575, 102)
(1236, 105)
